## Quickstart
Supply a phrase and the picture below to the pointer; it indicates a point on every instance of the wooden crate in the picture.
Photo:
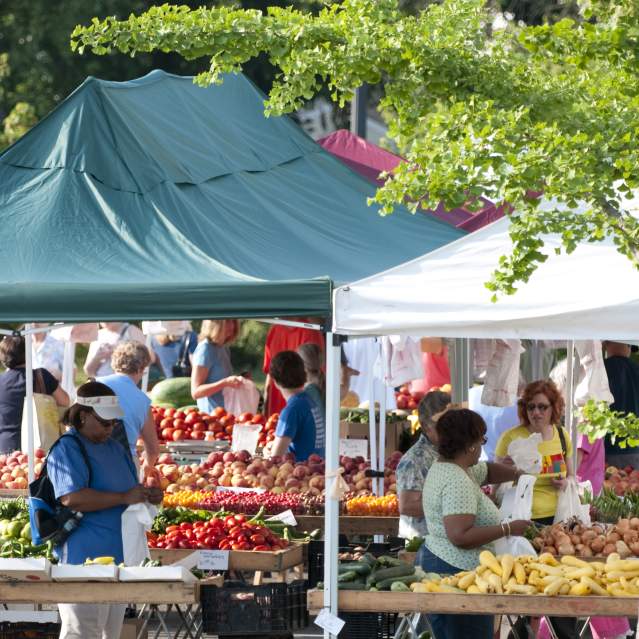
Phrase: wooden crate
(534, 605)
(156, 592)
(349, 525)
(247, 560)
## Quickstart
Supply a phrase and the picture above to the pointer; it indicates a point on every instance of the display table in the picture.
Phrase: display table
(181, 596)
(534, 606)
(349, 525)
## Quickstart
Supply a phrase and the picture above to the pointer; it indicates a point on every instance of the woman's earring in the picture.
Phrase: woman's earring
(472, 449)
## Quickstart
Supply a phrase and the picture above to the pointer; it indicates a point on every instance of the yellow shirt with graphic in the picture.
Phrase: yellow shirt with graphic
(553, 465)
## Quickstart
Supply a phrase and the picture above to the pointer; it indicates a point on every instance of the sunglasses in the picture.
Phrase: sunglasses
(106, 423)
(540, 407)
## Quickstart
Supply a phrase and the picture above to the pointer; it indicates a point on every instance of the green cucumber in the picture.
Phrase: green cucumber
(387, 583)
(351, 585)
(350, 575)
(389, 562)
(361, 568)
(402, 570)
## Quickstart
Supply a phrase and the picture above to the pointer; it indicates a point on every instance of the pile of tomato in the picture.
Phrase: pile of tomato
(267, 433)
(234, 532)
(179, 425)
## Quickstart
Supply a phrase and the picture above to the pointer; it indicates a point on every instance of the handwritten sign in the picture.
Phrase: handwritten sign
(329, 622)
(245, 437)
(286, 517)
(354, 447)
(213, 560)
(238, 489)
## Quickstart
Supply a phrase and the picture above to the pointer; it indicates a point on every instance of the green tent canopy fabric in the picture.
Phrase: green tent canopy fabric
(159, 199)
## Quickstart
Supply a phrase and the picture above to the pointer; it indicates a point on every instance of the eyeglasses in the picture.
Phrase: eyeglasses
(540, 407)
(106, 423)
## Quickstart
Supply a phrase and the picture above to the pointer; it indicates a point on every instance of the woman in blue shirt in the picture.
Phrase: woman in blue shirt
(212, 370)
(112, 487)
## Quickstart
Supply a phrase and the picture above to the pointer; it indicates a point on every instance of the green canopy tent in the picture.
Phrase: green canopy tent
(156, 199)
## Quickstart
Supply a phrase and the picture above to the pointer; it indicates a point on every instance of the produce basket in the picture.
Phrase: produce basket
(368, 625)
(24, 630)
(316, 557)
(240, 610)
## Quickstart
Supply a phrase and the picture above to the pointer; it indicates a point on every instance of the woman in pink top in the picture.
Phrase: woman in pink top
(435, 363)
(591, 466)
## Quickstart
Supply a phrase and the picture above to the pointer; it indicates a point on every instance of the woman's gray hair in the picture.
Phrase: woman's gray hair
(130, 357)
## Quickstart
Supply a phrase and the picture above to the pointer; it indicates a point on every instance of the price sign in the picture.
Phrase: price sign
(238, 489)
(213, 560)
(329, 622)
(286, 517)
(245, 437)
(354, 447)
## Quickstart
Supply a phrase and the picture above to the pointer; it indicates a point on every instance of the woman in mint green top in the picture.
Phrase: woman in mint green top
(461, 519)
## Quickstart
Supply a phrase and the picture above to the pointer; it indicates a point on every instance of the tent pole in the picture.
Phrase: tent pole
(28, 360)
(145, 377)
(382, 431)
(331, 508)
(570, 393)
(372, 426)
(68, 381)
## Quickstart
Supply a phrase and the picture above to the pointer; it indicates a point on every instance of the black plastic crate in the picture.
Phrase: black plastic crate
(24, 630)
(369, 625)
(238, 609)
(316, 557)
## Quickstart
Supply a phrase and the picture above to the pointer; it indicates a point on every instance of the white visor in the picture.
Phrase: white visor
(106, 406)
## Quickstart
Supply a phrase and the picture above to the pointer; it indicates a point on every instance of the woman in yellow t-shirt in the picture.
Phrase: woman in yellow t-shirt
(540, 409)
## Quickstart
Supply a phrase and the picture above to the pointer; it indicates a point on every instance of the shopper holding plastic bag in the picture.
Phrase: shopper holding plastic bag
(461, 520)
(93, 475)
(540, 409)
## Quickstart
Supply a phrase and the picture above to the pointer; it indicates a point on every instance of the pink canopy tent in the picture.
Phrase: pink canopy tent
(369, 161)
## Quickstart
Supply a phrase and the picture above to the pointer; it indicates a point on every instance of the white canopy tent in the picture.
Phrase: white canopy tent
(593, 293)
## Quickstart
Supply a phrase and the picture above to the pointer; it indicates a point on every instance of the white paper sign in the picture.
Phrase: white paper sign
(238, 489)
(245, 437)
(287, 517)
(213, 560)
(329, 622)
(354, 447)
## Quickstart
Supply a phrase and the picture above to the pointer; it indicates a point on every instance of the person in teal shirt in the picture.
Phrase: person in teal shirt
(212, 371)
(462, 520)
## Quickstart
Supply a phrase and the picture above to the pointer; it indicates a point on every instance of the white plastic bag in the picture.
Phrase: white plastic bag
(243, 399)
(517, 504)
(525, 453)
(136, 520)
(569, 505)
(517, 500)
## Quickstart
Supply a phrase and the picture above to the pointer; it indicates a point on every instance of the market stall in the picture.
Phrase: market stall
(591, 293)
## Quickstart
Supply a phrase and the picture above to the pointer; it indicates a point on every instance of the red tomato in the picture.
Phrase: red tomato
(225, 544)
(178, 423)
(230, 521)
(263, 548)
(185, 543)
(218, 411)
(167, 434)
(245, 417)
(169, 412)
(192, 409)
(185, 525)
(258, 418)
(171, 528)
(258, 539)
(197, 434)
(180, 414)
(167, 422)
(200, 426)
(192, 418)
(178, 435)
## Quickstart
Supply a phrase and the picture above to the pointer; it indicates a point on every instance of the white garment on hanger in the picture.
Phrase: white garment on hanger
(403, 358)
(362, 354)
(502, 376)
(594, 384)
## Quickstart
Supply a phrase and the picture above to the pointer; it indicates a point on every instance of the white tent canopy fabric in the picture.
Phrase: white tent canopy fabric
(593, 293)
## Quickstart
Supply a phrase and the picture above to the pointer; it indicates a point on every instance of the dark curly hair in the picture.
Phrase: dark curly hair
(287, 369)
(431, 404)
(457, 430)
(547, 388)
(12, 352)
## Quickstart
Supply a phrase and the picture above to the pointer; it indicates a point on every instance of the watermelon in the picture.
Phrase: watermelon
(175, 391)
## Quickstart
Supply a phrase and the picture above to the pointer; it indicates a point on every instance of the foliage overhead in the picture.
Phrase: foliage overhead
(474, 110)
(600, 420)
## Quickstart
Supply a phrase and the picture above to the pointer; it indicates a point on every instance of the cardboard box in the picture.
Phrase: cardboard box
(68, 572)
(355, 430)
(131, 629)
(28, 569)
(157, 573)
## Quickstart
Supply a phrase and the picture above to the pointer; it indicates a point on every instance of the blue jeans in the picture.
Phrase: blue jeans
(453, 626)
